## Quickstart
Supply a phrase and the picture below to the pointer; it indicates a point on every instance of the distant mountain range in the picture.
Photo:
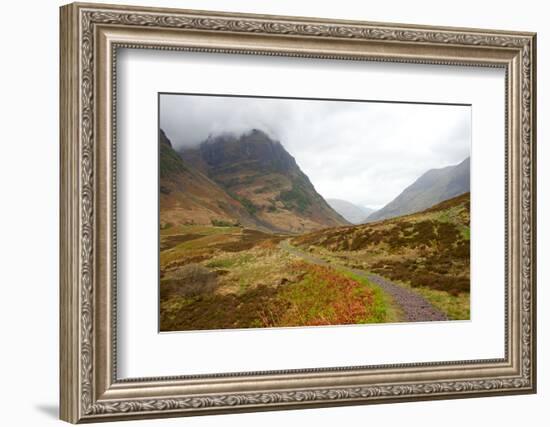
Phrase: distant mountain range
(248, 179)
(432, 187)
(353, 213)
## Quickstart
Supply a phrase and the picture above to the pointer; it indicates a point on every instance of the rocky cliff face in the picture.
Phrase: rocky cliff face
(253, 150)
(187, 196)
(258, 172)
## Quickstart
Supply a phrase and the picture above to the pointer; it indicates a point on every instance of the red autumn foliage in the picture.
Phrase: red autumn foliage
(328, 298)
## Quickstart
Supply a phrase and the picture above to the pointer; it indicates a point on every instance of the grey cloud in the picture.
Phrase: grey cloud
(364, 152)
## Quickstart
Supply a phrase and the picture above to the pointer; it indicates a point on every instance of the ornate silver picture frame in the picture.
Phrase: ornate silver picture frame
(91, 36)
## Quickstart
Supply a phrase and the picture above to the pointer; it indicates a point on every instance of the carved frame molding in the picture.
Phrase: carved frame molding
(90, 390)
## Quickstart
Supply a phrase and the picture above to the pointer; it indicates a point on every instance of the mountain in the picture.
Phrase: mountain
(353, 213)
(431, 188)
(259, 173)
(187, 196)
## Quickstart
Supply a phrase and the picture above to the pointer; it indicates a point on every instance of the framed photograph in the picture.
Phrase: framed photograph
(266, 212)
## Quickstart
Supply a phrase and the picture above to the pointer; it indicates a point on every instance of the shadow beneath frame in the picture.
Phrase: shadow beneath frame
(50, 410)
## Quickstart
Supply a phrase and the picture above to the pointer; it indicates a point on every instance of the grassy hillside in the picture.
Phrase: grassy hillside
(187, 196)
(231, 277)
(428, 251)
(259, 173)
(432, 187)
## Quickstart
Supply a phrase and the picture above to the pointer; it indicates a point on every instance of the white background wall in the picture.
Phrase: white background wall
(29, 170)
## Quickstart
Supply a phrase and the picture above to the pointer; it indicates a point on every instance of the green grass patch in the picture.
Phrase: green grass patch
(295, 198)
(184, 249)
(456, 307)
(170, 163)
(384, 311)
(233, 260)
(250, 207)
(326, 296)
(205, 230)
(465, 232)
(224, 223)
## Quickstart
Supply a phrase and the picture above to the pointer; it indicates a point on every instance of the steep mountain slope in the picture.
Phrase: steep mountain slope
(187, 196)
(433, 187)
(351, 212)
(259, 173)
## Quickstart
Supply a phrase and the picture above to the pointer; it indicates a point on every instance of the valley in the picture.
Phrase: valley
(247, 242)
(413, 268)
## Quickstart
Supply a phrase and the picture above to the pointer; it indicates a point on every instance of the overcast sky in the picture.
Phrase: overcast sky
(363, 152)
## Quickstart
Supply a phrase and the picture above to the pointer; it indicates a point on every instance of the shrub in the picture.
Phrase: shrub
(295, 198)
(190, 280)
(250, 207)
(255, 307)
(224, 223)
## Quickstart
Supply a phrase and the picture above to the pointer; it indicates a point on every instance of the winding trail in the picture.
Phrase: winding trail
(414, 307)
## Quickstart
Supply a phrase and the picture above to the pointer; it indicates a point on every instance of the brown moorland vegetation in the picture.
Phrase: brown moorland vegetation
(429, 251)
(230, 277)
(225, 276)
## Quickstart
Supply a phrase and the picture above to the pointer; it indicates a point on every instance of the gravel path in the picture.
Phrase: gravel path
(414, 307)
